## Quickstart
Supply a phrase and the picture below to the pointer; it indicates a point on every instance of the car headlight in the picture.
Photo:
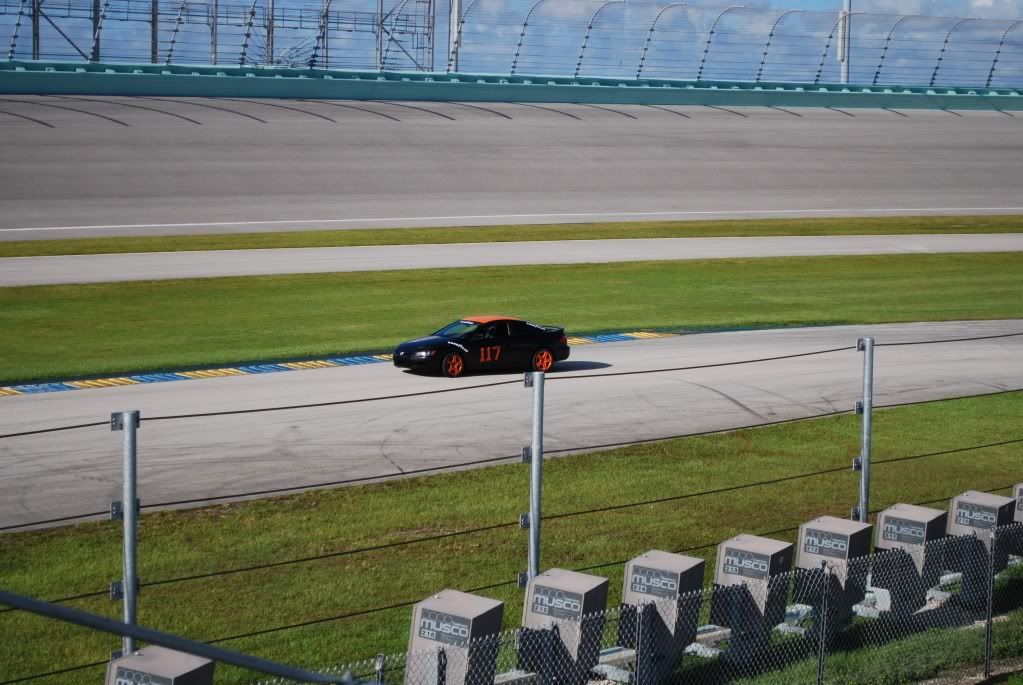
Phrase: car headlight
(424, 354)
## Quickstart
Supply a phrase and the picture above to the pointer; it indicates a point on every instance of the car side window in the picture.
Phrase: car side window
(517, 329)
(495, 330)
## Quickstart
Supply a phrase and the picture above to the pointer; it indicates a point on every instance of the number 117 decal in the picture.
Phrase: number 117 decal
(490, 354)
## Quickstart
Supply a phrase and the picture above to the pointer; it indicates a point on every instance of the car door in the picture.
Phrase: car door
(493, 349)
(521, 344)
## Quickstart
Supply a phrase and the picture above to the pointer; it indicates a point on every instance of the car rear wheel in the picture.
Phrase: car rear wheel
(453, 365)
(543, 360)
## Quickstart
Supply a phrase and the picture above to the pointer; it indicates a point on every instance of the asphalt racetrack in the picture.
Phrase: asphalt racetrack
(89, 166)
(64, 473)
(17, 271)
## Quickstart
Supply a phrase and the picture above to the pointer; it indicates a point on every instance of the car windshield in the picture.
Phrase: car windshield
(456, 329)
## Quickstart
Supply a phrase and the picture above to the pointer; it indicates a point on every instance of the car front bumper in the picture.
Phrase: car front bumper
(407, 361)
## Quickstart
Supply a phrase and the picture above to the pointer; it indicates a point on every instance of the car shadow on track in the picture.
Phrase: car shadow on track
(560, 367)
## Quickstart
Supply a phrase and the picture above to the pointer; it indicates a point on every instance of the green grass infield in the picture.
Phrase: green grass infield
(515, 233)
(74, 331)
(319, 569)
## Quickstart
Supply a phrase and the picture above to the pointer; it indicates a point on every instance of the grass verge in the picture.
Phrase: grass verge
(910, 659)
(326, 524)
(52, 332)
(517, 233)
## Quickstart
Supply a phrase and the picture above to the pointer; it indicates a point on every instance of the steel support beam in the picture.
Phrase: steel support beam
(710, 37)
(96, 27)
(770, 36)
(326, 34)
(589, 29)
(846, 40)
(998, 52)
(35, 28)
(454, 28)
(827, 46)
(154, 31)
(944, 47)
(213, 31)
(380, 35)
(269, 32)
(650, 35)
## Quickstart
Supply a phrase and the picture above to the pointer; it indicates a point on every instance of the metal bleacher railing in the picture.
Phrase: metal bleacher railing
(575, 38)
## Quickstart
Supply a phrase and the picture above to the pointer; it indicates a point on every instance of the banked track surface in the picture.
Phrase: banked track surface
(58, 474)
(81, 166)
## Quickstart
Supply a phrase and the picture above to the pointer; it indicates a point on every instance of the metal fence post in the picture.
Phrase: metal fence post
(822, 629)
(270, 11)
(378, 667)
(989, 623)
(35, 28)
(442, 667)
(534, 456)
(380, 35)
(154, 31)
(865, 407)
(214, 18)
(643, 657)
(127, 509)
(845, 41)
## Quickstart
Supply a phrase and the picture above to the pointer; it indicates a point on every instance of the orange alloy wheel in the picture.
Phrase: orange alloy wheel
(453, 365)
(543, 360)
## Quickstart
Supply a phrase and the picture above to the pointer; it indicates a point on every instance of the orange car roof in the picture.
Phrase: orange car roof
(487, 318)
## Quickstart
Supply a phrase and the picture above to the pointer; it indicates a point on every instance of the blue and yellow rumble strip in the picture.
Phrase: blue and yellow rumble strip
(143, 378)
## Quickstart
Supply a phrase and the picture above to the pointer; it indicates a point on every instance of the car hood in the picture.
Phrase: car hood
(420, 343)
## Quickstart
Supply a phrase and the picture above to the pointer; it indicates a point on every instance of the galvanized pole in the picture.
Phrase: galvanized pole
(213, 31)
(35, 28)
(846, 40)
(822, 629)
(380, 35)
(988, 624)
(270, 32)
(865, 345)
(154, 31)
(326, 34)
(128, 422)
(536, 474)
(454, 21)
(94, 55)
(533, 455)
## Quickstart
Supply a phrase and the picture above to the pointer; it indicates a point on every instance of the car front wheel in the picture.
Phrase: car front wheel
(453, 365)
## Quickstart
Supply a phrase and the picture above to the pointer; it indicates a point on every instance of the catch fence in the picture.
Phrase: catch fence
(575, 38)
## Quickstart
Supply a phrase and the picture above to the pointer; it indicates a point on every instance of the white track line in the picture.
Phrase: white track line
(761, 212)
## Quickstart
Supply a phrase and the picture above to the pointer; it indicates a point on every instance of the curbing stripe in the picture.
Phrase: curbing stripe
(357, 360)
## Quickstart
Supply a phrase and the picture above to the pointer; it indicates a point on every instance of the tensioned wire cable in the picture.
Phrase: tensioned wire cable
(552, 517)
(478, 462)
(406, 604)
(490, 460)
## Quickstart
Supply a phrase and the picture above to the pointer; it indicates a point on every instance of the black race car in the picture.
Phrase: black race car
(485, 342)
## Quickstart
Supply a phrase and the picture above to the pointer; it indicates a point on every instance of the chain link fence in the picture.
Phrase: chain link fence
(580, 38)
(957, 595)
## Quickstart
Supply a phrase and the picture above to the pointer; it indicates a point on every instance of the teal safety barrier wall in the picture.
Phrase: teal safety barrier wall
(69, 78)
